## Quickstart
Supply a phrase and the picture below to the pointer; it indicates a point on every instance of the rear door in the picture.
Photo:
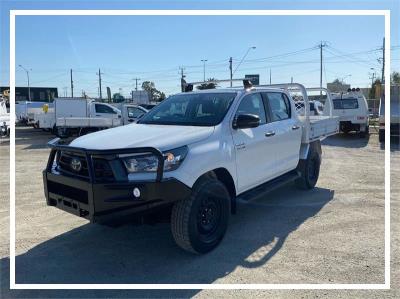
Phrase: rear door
(287, 131)
(255, 147)
(346, 108)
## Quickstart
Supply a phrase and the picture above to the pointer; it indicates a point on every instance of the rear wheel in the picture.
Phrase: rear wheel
(199, 223)
(309, 171)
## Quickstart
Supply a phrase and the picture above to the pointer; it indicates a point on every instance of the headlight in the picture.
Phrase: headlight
(149, 163)
(140, 163)
(174, 158)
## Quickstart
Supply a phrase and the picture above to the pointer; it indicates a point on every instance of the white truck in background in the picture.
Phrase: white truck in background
(394, 114)
(352, 109)
(4, 119)
(25, 111)
(78, 116)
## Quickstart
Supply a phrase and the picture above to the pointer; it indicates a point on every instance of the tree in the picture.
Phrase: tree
(337, 81)
(395, 78)
(155, 94)
(117, 98)
(372, 91)
(209, 85)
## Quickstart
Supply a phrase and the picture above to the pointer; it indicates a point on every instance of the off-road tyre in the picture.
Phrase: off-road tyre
(309, 171)
(199, 222)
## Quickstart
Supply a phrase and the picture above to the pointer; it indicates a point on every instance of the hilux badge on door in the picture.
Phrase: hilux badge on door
(76, 164)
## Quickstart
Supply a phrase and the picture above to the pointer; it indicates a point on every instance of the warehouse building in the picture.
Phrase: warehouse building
(38, 94)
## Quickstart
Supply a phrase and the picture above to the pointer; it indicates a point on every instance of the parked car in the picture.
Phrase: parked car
(352, 108)
(196, 151)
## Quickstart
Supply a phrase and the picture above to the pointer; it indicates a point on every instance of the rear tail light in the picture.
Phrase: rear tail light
(360, 117)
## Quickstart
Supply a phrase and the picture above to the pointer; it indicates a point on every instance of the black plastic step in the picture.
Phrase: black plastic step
(269, 186)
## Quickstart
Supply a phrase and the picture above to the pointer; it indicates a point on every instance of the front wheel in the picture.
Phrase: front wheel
(309, 171)
(199, 223)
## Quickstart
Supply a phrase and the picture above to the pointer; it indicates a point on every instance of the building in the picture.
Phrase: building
(38, 94)
(140, 97)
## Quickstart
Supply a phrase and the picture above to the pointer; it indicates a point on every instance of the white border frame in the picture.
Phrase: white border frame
(14, 13)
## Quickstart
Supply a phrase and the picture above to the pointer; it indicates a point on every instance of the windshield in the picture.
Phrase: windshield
(350, 103)
(192, 109)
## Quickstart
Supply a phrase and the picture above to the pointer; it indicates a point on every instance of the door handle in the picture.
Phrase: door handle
(269, 134)
(295, 127)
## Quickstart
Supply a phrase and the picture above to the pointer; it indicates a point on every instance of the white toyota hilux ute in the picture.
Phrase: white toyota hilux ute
(196, 152)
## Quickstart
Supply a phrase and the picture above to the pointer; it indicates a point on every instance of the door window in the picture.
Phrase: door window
(279, 105)
(104, 109)
(253, 104)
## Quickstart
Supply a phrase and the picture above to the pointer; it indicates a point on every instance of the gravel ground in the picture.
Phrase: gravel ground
(332, 234)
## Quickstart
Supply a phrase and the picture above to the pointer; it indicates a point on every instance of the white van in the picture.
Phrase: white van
(352, 109)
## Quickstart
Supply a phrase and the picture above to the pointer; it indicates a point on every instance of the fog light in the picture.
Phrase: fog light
(136, 192)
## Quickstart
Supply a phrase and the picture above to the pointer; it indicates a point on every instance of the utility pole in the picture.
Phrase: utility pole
(29, 86)
(321, 46)
(270, 77)
(136, 80)
(383, 62)
(372, 79)
(99, 74)
(291, 80)
(230, 69)
(72, 86)
(204, 69)
(182, 79)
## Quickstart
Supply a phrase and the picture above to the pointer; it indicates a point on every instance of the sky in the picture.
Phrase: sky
(154, 48)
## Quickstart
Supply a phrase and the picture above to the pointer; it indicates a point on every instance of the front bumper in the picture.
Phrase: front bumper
(103, 201)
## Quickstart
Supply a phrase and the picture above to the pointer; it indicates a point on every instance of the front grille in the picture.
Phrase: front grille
(101, 167)
(64, 164)
(102, 170)
(68, 191)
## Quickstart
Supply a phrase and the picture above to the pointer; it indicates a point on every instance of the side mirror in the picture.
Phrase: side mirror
(244, 121)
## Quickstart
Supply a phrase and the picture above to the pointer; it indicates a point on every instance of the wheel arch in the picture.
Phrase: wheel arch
(224, 176)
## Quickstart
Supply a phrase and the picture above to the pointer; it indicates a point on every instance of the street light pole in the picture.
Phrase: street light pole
(29, 87)
(204, 69)
(248, 50)
(349, 75)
